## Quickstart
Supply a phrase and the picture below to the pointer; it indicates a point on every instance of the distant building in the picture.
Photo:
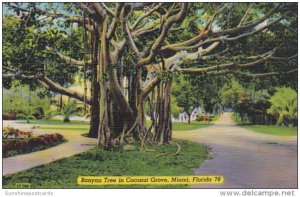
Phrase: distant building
(183, 117)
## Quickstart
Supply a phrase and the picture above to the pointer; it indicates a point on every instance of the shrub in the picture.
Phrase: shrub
(284, 104)
(68, 110)
(21, 142)
(9, 116)
(14, 133)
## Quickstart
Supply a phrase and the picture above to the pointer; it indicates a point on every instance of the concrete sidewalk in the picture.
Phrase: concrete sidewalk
(75, 144)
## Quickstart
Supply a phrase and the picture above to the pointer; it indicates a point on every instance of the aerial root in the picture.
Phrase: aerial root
(178, 149)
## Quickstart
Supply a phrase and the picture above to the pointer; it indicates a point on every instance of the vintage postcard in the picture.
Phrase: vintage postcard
(127, 95)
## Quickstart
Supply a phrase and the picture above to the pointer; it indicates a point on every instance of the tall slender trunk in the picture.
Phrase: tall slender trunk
(94, 120)
(140, 132)
(189, 117)
(60, 101)
(163, 127)
(95, 108)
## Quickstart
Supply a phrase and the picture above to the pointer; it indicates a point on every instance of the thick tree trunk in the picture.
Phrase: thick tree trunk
(120, 119)
(104, 133)
(122, 116)
(136, 120)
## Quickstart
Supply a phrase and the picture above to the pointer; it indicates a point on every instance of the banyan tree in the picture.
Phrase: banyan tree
(133, 50)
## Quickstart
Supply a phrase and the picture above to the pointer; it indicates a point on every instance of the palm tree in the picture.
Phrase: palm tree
(27, 113)
(284, 104)
(67, 110)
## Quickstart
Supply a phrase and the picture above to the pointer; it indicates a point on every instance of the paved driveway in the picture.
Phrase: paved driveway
(245, 158)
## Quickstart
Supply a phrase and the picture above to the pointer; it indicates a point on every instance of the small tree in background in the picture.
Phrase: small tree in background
(186, 96)
(235, 96)
(26, 103)
(68, 110)
(284, 104)
(175, 109)
(27, 113)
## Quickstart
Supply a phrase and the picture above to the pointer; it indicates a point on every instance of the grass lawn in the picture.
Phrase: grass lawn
(58, 124)
(95, 162)
(54, 122)
(216, 118)
(267, 129)
(65, 127)
(183, 126)
(83, 125)
(273, 130)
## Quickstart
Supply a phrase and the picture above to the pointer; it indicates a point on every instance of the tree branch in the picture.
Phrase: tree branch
(237, 72)
(247, 26)
(222, 35)
(223, 38)
(51, 85)
(245, 16)
(70, 60)
(88, 11)
(115, 21)
(99, 10)
(109, 11)
(48, 84)
(141, 17)
(150, 86)
(252, 32)
(130, 41)
(267, 74)
(229, 65)
(164, 30)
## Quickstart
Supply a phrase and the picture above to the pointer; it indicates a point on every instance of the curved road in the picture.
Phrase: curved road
(245, 158)
(75, 144)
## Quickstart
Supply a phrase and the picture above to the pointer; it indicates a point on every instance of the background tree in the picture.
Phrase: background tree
(236, 97)
(22, 100)
(175, 109)
(27, 113)
(284, 104)
(68, 110)
(186, 96)
(246, 102)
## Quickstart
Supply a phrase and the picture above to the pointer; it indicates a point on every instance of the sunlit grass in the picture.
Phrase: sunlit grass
(67, 127)
(83, 125)
(97, 162)
(273, 130)
(267, 129)
(54, 122)
(183, 126)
